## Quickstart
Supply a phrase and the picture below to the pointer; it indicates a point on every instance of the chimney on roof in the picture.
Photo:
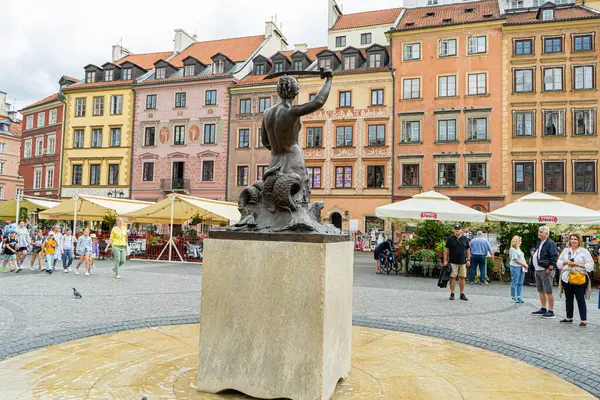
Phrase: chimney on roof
(333, 12)
(3, 104)
(274, 33)
(182, 40)
(301, 47)
(119, 52)
(14, 116)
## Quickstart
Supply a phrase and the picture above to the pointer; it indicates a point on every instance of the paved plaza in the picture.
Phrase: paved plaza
(37, 310)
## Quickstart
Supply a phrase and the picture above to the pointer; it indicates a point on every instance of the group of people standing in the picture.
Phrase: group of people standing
(575, 265)
(47, 248)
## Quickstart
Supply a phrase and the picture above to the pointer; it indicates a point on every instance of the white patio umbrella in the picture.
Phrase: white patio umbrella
(541, 208)
(429, 205)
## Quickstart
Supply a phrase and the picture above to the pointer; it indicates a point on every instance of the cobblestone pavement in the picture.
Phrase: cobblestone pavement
(38, 310)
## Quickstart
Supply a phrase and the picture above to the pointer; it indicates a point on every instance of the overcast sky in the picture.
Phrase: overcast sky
(43, 40)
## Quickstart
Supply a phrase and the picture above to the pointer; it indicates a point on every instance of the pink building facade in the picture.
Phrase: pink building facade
(180, 140)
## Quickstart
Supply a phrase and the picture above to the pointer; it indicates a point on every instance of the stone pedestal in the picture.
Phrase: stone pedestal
(275, 314)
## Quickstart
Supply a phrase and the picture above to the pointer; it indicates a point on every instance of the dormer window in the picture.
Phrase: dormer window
(279, 66)
(189, 70)
(109, 75)
(259, 69)
(126, 74)
(350, 62)
(547, 15)
(375, 60)
(325, 63)
(298, 65)
(218, 67)
(90, 77)
(161, 73)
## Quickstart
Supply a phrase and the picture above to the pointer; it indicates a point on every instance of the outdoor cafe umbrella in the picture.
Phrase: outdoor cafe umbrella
(541, 208)
(91, 208)
(429, 206)
(10, 208)
(177, 208)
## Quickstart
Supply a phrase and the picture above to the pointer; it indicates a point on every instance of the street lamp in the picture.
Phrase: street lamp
(116, 193)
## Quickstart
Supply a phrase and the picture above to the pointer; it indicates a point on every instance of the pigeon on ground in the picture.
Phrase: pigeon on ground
(144, 398)
(76, 294)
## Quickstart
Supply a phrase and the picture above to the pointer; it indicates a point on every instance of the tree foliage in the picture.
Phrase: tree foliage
(430, 233)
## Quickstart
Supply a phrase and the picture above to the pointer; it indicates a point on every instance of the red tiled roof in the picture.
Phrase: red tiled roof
(48, 99)
(452, 14)
(145, 60)
(15, 127)
(311, 52)
(560, 14)
(236, 49)
(97, 84)
(71, 78)
(367, 18)
(250, 80)
(256, 80)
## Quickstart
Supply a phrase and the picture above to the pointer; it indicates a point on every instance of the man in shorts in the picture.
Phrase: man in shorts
(544, 262)
(456, 256)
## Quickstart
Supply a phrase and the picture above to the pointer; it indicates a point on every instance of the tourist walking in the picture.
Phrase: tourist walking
(544, 262)
(575, 264)
(95, 252)
(84, 249)
(24, 241)
(118, 241)
(456, 256)
(58, 238)
(66, 245)
(36, 249)
(518, 267)
(10, 245)
(480, 248)
(49, 249)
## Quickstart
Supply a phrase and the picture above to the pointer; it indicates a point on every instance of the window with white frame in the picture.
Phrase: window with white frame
(553, 122)
(523, 80)
(412, 51)
(477, 83)
(547, 15)
(39, 147)
(553, 79)
(447, 48)
(49, 177)
(189, 70)
(52, 117)
(37, 178)
(477, 128)
(29, 122)
(1, 192)
(343, 136)
(126, 74)
(27, 151)
(210, 133)
(109, 74)
(477, 44)
(98, 103)
(523, 123)
(40, 119)
(447, 86)
(376, 135)
(314, 136)
(113, 174)
(115, 137)
(218, 67)
(583, 77)
(78, 137)
(584, 122)
(80, 107)
(90, 77)
(374, 60)
(51, 148)
(411, 132)
(94, 174)
(160, 73)
(350, 62)
(412, 88)
(2, 147)
(96, 137)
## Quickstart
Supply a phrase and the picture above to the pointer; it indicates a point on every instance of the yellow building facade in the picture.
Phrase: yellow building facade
(97, 140)
(550, 113)
(354, 160)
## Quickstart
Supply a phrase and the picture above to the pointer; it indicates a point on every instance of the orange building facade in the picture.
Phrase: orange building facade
(550, 81)
(449, 103)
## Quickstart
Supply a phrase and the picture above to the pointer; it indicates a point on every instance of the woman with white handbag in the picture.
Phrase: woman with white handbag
(575, 264)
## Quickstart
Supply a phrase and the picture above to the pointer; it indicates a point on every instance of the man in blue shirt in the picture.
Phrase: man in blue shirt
(480, 248)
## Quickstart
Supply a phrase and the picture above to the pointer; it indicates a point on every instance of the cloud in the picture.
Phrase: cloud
(43, 40)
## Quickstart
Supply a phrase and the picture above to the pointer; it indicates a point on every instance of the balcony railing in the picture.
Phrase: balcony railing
(175, 185)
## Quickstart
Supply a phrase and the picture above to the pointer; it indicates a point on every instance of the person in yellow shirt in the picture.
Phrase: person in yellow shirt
(48, 250)
(118, 241)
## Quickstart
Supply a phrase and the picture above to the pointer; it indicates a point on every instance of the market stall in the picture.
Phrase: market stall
(10, 208)
(176, 209)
